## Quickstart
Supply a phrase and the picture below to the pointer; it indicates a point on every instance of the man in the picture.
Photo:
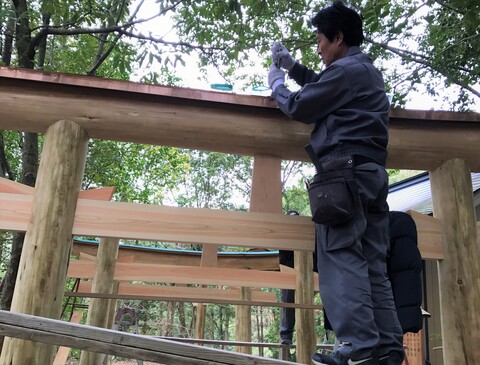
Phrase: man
(348, 106)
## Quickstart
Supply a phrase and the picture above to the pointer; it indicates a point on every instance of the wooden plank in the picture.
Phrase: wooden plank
(13, 187)
(266, 260)
(128, 345)
(112, 109)
(85, 256)
(62, 354)
(163, 223)
(198, 293)
(187, 275)
(191, 300)
(429, 232)
(291, 270)
(105, 193)
(172, 224)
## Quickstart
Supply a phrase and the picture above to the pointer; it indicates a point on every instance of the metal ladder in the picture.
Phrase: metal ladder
(125, 318)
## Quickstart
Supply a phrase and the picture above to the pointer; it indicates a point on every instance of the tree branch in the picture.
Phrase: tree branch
(422, 59)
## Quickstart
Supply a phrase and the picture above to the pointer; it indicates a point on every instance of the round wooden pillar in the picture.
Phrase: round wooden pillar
(459, 271)
(43, 266)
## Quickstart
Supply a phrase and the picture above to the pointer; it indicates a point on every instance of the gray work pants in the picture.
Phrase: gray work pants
(354, 286)
(287, 315)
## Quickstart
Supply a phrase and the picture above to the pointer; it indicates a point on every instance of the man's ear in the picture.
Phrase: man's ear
(339, 38)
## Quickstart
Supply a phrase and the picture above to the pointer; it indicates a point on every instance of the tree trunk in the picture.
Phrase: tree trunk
(161, 326)
(181, 320)
(170, 317)
(42, 47)
(8, 41)
(25, 50)
(29, 175)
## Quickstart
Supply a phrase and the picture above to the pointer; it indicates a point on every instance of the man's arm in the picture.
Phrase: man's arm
(315, 100)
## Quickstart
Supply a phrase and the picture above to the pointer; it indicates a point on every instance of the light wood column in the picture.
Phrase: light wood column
(98, 311)
(459, 271)
(43, 265)
(209, 259)
(266, 197)
(304, 318)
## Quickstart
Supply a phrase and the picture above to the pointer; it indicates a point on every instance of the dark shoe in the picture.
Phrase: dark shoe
(286, 341)
(392, 358)
(336, 358)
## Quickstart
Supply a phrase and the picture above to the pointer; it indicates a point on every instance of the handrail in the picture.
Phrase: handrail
(55, 332)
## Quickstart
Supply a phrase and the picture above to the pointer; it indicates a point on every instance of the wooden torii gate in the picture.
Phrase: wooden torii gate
(71, 109)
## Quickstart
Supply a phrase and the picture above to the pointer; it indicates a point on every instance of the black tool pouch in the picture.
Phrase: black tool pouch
(333, 193)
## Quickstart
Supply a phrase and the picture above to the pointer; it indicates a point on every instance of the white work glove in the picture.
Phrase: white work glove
(276, 77)
(281, 57)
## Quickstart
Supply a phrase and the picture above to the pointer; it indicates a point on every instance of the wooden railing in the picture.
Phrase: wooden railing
(51, 331)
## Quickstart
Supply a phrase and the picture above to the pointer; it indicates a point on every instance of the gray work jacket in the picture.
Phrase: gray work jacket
(346, 102)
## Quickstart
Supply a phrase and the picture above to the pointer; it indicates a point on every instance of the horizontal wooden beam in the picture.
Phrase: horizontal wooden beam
(430, 237)
(191, 225)
(9, 186)
(187, 275)
(193, 300)
(172, 224)
(207, 120)
(198, 293)
(265, 260)
(124, 344)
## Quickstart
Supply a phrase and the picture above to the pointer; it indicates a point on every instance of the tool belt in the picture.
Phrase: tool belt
(333, 192)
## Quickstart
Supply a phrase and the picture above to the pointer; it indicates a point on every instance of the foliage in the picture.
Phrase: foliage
(429, 43)
(139, 173)
(212, 180)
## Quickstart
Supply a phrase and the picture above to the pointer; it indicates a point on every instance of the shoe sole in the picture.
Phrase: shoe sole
(319, 363)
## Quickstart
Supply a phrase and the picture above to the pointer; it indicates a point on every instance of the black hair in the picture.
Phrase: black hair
(337, 18)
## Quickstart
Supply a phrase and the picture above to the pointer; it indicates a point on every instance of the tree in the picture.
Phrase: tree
(430, 43)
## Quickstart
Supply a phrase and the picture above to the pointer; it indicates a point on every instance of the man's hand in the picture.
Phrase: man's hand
(281, 57)
(276, 77)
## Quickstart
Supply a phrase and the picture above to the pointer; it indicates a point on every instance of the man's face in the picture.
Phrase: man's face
(328, 51)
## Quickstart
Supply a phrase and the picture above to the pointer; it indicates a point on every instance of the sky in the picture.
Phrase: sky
(191, 78)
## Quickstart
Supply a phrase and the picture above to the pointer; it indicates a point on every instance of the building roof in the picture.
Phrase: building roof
(414, 193)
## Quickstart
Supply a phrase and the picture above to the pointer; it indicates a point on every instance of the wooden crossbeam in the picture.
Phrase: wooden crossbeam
(124, 344)
(162, 291)
(166, 116)
(137, 221)
(172, 224)
(429, 232)
(187, 275)
(9, 186)
(63, 351)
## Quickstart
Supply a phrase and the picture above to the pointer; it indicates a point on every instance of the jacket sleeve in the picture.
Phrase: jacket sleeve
(316, 100)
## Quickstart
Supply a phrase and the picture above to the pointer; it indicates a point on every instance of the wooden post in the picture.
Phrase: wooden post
(266, 197)
(459, 271)
(43, 265)
(305, 319)
(209, 259)
(98, 312)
